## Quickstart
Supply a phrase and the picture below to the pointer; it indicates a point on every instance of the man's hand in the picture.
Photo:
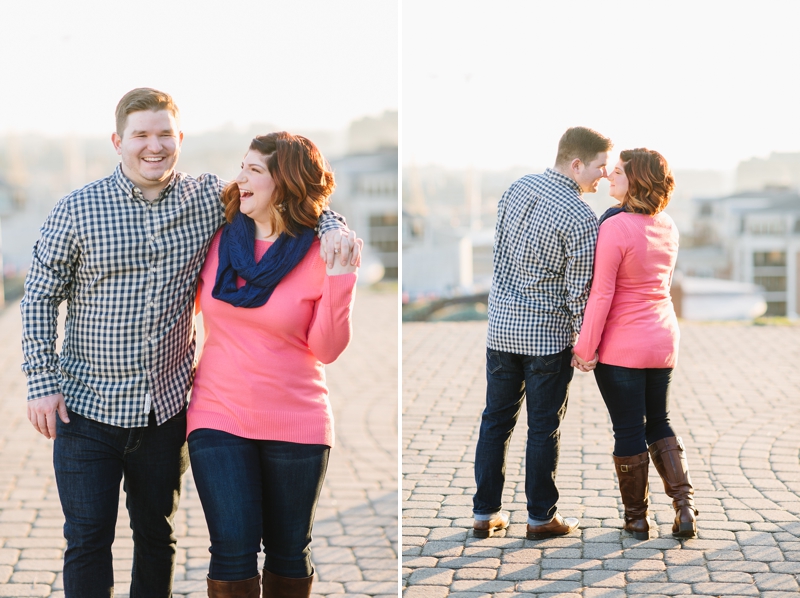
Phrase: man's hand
(584, 366)
(336, 244)
(42, 414)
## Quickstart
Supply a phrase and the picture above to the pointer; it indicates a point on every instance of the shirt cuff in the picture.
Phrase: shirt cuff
(43, 385)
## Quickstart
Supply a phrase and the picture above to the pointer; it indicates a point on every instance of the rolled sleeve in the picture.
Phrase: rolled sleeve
(330, 220)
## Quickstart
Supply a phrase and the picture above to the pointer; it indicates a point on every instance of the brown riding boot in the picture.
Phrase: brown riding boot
(245, 588)
(633, 486)
(669, 457)
(276, 586)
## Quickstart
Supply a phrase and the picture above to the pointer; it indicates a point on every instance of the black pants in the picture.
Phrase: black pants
(638, 403)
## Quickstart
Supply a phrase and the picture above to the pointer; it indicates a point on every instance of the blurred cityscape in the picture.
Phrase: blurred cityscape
(739, 254)
(36, 171)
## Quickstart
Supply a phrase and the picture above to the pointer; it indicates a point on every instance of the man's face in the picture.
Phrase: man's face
(149, 146)
(588, 175)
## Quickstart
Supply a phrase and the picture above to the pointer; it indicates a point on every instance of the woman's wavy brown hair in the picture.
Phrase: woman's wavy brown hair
(650, 181)
(303, 182)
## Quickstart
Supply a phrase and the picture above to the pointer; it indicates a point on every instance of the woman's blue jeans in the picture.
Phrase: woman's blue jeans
(90, 458)
(256, 491)
(543, 383)
(638, 403)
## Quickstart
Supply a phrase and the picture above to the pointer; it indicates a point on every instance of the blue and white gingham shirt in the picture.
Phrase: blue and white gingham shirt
(543, 258)
(127, 268)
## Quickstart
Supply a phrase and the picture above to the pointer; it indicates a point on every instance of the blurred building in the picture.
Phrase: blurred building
(448, 229)
(366, 193)
(369, 133)
(780, 169)
(752, 237)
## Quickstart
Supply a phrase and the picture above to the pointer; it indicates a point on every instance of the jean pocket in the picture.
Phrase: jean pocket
(546, 364)
(493, 361)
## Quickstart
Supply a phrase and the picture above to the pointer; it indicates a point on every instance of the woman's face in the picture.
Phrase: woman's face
(256, 187)
(618, 182)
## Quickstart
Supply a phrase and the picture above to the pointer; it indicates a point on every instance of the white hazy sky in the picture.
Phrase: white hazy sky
(705, 82)
(64, 65)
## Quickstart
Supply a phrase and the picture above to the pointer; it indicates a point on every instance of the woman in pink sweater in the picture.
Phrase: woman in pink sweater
(630, 328)
(259, 422)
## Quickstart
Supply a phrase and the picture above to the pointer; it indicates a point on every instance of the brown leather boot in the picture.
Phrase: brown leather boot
(245, 588)
(633, 486)
(276, 586)
(669, 457)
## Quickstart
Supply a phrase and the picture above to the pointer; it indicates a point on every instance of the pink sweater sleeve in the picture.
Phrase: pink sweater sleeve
(331, 327)
(608, 256)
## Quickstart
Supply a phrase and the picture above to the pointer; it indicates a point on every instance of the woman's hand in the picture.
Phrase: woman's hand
(349, 265)
(584, 366)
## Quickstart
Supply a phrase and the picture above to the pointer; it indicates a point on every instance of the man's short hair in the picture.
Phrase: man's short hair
(582, 143)
(144, 98)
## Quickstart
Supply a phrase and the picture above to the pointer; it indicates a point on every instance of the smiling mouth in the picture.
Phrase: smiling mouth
(153, 159)
(244, 193)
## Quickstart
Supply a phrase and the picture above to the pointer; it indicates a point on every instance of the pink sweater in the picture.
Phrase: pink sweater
(261, 374)
(629, 319)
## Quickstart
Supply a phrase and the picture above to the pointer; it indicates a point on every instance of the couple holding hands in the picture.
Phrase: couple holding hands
(558, 276)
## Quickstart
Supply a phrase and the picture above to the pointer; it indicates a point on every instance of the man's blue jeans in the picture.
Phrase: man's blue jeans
(254, 491)
(90, 459)
(543, 382)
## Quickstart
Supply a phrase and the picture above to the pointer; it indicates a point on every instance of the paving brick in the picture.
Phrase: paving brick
(685, 574)
(475, 573)
(776, 582)
(436, 576)
(714, 588)
(541, 586)
(666, 589)
(604, 579)
(478, 585)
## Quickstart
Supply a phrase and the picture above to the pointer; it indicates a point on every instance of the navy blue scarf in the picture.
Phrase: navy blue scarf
(609, 213)
(236, 258)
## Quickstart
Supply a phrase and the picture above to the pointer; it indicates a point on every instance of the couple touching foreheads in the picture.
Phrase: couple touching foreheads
(569, 291)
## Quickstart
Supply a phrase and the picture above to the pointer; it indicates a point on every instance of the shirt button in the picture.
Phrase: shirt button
(154, 268)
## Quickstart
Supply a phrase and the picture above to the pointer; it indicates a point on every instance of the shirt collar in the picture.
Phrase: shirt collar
(563, 180)
(133, 191)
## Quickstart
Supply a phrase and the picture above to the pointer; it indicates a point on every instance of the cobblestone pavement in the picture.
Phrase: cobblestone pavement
(355, 534)
(736, 403)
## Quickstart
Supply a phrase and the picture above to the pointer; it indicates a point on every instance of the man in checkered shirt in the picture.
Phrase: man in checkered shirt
(124, 252)
(543, 258)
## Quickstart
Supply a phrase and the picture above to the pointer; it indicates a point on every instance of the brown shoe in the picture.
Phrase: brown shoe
(276, 586)
(245, 588)
(669, 457)
(485, 528)
(557, 527)
(633, 487)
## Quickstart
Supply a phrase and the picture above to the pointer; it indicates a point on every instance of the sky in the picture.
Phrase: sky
(307, 64)
(492, 85)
